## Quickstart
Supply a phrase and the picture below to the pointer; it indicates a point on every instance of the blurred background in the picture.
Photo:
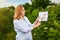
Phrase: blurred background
(49, 30)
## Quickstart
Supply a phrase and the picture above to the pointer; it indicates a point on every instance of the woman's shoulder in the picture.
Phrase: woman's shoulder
(15, 20)
(25, 17)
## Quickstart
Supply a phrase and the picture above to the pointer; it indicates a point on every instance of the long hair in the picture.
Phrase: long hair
(17, 11)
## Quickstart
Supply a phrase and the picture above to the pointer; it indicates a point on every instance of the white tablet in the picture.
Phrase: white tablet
(43, 16)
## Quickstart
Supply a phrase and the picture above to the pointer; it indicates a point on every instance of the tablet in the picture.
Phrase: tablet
(43, 16)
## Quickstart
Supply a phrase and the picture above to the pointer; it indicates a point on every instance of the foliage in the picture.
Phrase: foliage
(49, 30)
(40, 3)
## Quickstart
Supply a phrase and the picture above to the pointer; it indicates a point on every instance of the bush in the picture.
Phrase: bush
(49, 30)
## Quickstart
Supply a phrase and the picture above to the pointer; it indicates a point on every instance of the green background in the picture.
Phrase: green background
(49, 30)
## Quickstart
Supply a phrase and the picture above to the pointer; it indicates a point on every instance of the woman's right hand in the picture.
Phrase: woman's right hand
(37, 20)
(38, 23)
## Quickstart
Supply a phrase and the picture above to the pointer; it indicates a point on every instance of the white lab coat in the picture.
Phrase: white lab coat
(23, 29)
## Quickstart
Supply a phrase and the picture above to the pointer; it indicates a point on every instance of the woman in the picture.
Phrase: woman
(22, 25)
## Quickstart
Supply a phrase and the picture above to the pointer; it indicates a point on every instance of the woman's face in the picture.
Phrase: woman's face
(23, 12)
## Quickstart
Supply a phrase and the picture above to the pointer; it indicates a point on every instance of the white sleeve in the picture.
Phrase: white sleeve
(29, 23)
(22, 28)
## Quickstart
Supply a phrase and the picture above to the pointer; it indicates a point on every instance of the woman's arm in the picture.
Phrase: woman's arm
(35, 24)
(37, 20)
(22, 28)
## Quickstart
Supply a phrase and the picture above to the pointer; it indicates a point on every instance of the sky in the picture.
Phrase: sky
(56, 1)
(6, 3)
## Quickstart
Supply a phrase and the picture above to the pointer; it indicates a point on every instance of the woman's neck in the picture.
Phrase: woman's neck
(21, 17)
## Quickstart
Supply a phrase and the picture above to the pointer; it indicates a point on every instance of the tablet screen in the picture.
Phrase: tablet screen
(43, 16)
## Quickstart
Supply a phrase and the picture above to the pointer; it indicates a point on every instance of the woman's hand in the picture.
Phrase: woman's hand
(37, 20)
(37, 23)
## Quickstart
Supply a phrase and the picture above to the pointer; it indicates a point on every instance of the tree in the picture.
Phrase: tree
(40, 3)
(26, 6)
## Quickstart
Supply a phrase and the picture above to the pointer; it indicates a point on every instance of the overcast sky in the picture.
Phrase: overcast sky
(56, 1)
(6, 3)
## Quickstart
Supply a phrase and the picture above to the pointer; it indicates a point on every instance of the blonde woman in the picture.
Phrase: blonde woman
(22, 25)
